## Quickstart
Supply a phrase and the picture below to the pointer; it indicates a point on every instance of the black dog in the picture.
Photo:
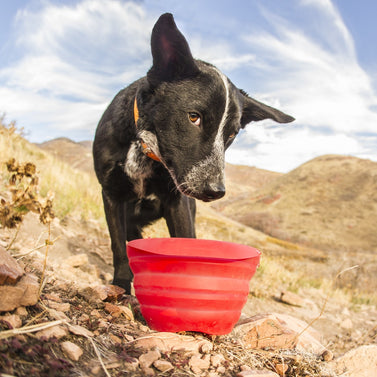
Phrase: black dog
(160, 144)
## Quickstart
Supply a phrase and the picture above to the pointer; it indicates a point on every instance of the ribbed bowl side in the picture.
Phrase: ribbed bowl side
(191, 294)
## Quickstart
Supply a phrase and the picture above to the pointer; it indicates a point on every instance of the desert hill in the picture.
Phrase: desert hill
(77, 155)
(75, 256)
(329, 202)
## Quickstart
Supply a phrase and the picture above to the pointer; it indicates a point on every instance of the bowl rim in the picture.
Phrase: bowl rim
(194, 248)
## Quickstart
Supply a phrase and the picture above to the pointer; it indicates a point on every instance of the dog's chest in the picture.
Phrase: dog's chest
(138, 168)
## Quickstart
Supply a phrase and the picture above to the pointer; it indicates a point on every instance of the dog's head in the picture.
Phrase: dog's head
(190, 113)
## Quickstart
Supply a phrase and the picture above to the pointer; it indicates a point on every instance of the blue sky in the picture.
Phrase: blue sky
(61, 63)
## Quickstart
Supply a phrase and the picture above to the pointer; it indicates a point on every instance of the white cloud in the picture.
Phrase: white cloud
(74, 59)
(324, 85)
(280, 149)
(321, 84)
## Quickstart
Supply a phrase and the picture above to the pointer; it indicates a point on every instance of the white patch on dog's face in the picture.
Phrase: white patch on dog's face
(211, 169)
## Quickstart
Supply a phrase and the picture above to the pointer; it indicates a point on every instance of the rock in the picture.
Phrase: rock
(52, 297)
(59, 306)
(131, 365)
(24, 293)
(77, 260)
(327, 355)
(309, 339)
(147, 359)
(80, 330)
(258, 373)
(52, 332)
(168, 342)
(198, 364)
(281, 369)
(22, 312)
(291, 298)
(72, 350)
(127, 312)
(217, 360)
(99, 293)
(359, 362)
(58, 315)
(163, 365)
(278, 331)
(265, 331)
(10, 271)
(13, 320)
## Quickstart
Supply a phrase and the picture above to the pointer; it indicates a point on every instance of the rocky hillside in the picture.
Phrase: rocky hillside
(60, 317)
(77, 155)
(328, 203)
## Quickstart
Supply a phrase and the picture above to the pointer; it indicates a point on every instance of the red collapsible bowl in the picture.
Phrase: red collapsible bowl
(185, 284)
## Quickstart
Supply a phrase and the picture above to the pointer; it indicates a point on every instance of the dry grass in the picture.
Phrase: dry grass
(76, 193)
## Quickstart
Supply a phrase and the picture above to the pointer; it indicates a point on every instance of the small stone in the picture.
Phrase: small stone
(10, 271)
(24, 293)
(112, 309)
(99, 293)
(170, 342)
(291, 298)
(197, 364)
(245, 367)
(257, 372)
(206, 347)
(72, 350)
(59, 306)
(53, 297)
(77, 260)
(95, 313)
(217, 360)
(127, 312)
(22, 311)
(83, 318)
(131, 365)
(281, 369)
(163, 365)
(265, 331)
(327, 355)
(147, 359)
(115, 339)
(58, 315)
(358, 362)
(80, 330)
(221, 369)
(52, 332)
(13, 320)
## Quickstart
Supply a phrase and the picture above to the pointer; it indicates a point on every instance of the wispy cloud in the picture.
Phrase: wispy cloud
(68, 61)
(73, 60)
(322, 84)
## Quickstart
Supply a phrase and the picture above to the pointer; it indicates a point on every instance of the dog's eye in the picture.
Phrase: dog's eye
(232, 136)
(195, 118)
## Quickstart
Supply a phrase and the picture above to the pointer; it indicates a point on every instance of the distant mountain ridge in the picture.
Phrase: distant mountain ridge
(76, 154)
(329, 202)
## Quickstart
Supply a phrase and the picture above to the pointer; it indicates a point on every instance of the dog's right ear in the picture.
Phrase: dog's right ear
(172, 58)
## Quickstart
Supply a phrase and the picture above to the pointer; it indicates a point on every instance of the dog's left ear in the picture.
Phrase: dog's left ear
(172, 58)
(254, 110)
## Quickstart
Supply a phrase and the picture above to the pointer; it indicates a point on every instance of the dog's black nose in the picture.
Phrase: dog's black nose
(214, 191)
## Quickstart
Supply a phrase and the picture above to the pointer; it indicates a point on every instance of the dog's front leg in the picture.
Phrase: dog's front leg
(116, 219)
(180, 217)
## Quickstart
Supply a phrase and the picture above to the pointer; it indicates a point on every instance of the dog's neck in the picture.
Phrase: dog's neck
(146, 150)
